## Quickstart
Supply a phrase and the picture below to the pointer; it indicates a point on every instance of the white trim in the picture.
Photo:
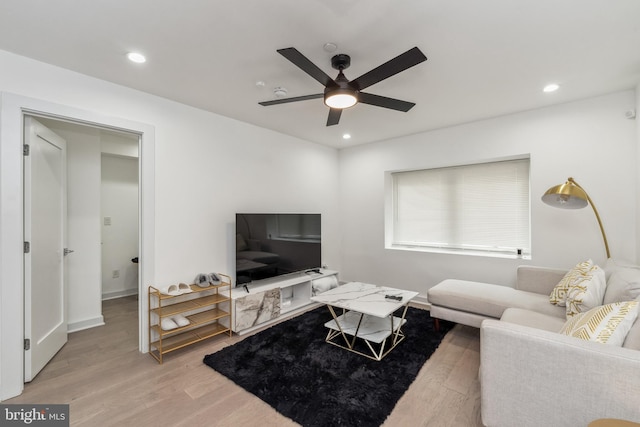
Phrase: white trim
(119, 294)
(85, 324)
(12, 109)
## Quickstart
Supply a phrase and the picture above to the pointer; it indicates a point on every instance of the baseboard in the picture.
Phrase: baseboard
(119, 294)
(85, 324)
(422, 301)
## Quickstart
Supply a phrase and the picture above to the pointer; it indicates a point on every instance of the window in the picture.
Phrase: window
(477, 208)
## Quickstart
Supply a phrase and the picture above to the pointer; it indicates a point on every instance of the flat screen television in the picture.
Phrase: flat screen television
(275, 244)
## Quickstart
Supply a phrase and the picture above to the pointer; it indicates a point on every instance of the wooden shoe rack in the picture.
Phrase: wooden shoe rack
(207, 309)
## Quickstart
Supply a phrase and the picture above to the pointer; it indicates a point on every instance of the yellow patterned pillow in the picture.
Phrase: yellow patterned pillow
(587, 292)
(607, 324)
(574, 276)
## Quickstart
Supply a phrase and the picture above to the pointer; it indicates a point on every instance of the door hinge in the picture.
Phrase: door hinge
(27, 344)
(25, 150)
(27, 247)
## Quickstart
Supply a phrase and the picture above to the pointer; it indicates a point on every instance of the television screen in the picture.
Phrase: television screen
(269, 245)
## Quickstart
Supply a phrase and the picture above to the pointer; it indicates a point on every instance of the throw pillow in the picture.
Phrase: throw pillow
(623, 285)
(607, 324)
(575, 275)
(586, 293)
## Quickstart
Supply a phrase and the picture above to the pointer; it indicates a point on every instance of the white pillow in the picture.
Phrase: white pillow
(323, 284)
(587, 292)
(623, 285)
(575, 275)
(607, 324)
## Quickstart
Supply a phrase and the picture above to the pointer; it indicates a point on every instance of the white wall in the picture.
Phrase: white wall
(207, 168)
(590, 140)
(119, 203)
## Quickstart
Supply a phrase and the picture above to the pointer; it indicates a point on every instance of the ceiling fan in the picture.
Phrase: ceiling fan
(340, 93)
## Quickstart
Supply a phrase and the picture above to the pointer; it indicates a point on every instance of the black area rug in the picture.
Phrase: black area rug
(293, 369)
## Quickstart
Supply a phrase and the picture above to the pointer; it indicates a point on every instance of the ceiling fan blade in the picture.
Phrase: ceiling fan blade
(334, 116)
(392, 67)
(294, 99)
(383, 101)
(302, 62)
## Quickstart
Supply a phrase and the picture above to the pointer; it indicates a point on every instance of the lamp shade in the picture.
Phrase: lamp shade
(571, 195)
(566, 196)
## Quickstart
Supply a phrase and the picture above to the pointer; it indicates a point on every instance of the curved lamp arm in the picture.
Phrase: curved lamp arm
(571, 195)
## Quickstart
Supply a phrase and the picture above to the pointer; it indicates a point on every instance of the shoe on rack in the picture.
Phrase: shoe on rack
(202, 280)
(184, 288)
(168, 324)
(214, 279)
(180, 320)
(171, 290)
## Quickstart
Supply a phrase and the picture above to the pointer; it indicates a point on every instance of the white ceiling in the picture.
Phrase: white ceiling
(485, 57)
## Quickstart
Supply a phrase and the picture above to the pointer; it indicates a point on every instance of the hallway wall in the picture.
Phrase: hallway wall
(119, 225)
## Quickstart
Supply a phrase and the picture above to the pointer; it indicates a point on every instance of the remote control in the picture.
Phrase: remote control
(397, 298)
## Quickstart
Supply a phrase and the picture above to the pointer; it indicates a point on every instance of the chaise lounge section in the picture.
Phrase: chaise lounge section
(469, 303)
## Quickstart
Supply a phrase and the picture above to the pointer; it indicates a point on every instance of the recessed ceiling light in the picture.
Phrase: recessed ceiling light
(136, 57)
(346, 136)
(551, 88)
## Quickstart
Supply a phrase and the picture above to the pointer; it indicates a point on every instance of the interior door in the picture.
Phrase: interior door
(45, 214)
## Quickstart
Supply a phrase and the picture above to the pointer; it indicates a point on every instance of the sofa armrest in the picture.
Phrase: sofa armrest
(541, 280)
(531, 377)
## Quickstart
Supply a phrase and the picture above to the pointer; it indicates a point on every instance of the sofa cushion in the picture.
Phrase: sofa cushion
(623, 285)
(489, 299)
(607, 324)
(533, 319)
(574, 276)
(587, 292)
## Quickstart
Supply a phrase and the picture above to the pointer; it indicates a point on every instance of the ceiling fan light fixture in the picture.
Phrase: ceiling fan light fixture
(340, 98)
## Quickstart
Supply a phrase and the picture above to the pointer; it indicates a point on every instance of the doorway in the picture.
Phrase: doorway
(103, 189)
(101, 176)
(13, 108)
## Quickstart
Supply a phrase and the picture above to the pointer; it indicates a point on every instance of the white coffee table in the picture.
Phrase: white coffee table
(367, 314)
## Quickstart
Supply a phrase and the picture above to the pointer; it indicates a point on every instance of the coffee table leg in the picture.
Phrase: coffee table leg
(335, 318)
(397, 333)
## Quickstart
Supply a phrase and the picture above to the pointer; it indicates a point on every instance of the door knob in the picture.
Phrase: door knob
(67, 251)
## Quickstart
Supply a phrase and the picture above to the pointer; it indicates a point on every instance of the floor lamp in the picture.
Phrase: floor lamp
(571, 195)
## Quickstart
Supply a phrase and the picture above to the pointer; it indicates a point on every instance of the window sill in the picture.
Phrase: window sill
(468, 252)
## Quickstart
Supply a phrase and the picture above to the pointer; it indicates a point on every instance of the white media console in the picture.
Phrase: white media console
(272, 299)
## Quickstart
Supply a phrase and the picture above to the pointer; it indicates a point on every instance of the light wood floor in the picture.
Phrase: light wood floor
(107, 382)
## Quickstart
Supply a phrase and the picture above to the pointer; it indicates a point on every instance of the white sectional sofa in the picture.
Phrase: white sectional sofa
(531, 375)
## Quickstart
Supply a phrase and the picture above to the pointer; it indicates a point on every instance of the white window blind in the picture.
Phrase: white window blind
(480, 207)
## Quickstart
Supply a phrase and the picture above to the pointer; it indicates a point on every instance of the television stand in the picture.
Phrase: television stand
(273, 299)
